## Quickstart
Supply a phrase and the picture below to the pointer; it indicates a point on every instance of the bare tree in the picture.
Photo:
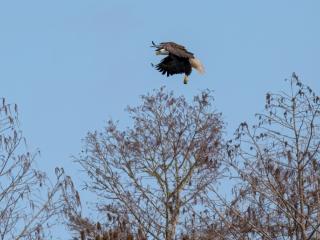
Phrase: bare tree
(27, 200)
(156, 172)
(277, 166)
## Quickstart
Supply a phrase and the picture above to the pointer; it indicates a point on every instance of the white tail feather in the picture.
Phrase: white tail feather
(196, 64)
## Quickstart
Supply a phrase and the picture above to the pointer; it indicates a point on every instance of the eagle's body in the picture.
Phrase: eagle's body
(178, 60)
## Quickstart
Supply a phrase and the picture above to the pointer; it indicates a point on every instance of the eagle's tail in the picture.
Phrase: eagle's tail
(196, 64)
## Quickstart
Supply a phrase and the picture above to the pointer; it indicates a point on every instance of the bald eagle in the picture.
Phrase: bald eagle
(178, 60)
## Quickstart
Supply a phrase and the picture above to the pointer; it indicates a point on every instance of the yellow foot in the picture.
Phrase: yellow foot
(185, 80)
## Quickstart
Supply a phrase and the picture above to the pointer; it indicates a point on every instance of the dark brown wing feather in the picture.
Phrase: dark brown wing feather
(176, 49)
(174, 65)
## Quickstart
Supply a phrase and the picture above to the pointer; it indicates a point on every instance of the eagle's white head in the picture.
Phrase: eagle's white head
(162, 51)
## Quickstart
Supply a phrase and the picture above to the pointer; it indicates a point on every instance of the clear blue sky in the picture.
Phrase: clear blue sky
(71, 65)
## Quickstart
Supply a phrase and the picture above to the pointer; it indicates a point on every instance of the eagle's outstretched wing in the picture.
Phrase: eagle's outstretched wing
(174, 65)
(178, 50)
